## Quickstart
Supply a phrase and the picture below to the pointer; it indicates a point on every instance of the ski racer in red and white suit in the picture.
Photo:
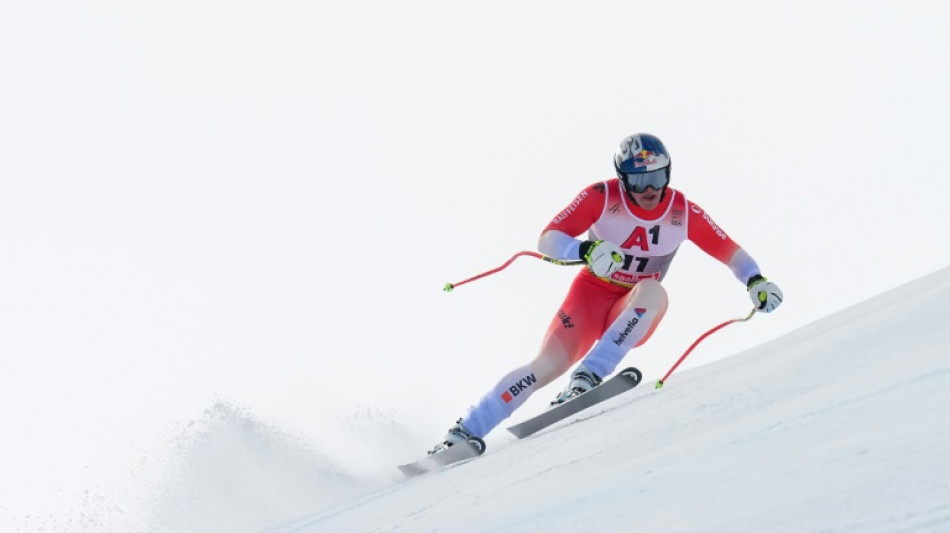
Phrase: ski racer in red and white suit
(641, 225)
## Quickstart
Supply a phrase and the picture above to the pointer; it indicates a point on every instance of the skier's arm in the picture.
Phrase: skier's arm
(558, 238)
(559, 245)
(714, 241)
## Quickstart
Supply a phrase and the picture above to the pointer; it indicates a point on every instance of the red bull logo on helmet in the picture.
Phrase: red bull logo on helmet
(641, 153)
(644, 159)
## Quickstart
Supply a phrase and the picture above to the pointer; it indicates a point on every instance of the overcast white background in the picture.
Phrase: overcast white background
(259, 203)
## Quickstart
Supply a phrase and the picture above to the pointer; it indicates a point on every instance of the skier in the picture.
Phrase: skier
(635, 223)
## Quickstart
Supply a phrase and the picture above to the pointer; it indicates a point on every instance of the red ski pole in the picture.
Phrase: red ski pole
(450, 286)
(659, 384)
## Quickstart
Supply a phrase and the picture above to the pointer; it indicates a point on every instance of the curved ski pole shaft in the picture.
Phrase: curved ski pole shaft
(449, 286)
(659, 384)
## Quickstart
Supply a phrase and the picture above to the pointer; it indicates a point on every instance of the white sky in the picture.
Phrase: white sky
(260, 202)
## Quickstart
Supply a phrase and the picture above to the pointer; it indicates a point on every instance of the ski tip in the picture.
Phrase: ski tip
(471, 448)
(517, 432)
(412, 470)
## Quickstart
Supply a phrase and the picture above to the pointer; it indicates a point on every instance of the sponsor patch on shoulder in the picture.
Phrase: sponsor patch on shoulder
(571, 208)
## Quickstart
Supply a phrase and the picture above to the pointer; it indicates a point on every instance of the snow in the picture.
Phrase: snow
(838, 426)
(841, 425)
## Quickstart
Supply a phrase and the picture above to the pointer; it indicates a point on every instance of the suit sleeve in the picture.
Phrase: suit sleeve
(558, 238)
(705, 233)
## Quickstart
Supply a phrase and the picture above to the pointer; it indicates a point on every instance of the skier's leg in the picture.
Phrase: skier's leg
(573, 330)
(632, 322)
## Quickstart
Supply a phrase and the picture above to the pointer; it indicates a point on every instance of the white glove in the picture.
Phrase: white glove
(603, 258)
(765, 295)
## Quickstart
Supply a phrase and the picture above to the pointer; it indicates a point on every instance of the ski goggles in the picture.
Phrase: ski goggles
(639, 181)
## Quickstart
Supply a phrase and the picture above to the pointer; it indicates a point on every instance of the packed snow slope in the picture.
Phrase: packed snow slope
(843, 425)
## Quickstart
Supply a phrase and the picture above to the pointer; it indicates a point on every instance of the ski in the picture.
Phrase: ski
(469, 449)
(625, 380)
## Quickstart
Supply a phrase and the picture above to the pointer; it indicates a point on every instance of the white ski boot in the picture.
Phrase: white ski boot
(455, 435)
(582, 380)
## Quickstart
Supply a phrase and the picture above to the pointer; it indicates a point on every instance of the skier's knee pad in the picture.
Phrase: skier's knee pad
(649, 293)
(550, 363)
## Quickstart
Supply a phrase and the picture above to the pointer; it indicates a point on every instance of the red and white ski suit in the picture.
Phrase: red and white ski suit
(618, 313)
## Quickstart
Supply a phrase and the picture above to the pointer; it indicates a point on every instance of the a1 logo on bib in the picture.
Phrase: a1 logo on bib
(638, 238)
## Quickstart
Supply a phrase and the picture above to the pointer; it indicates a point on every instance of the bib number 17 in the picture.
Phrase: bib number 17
(641, 262)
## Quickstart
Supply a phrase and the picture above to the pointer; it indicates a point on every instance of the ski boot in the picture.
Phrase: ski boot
(582, 380)
(455, 435)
